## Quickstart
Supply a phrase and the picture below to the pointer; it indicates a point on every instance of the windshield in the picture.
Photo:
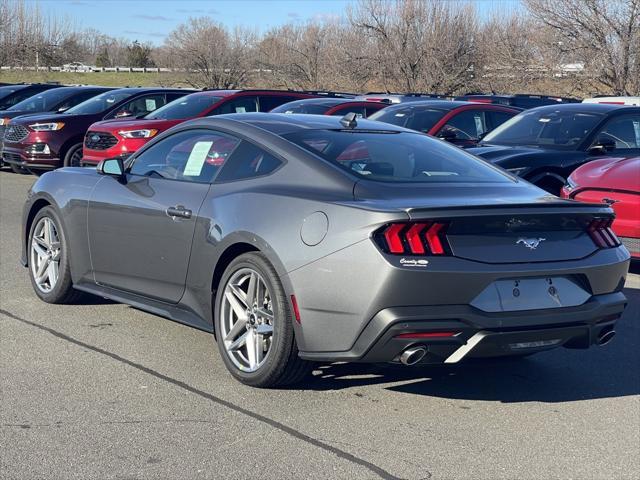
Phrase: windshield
(99, 104)
(42, 102)
(302, 107)
(547, 128)
(185, 107)
(414, 117)
(396, 156)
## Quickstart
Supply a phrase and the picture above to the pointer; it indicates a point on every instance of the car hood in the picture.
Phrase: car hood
(532, 157)
(55, 117)
(611, 173)
(21, 113)
(111, 125)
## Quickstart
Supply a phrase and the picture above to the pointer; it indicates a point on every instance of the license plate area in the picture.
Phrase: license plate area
(518, 294)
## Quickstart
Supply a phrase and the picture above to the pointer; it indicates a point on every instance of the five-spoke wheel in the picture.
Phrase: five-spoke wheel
(45, 255)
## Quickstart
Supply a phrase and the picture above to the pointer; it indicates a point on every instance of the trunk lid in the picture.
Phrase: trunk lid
(497, 224)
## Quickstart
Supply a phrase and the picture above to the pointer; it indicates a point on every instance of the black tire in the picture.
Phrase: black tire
(18, 169)
(63, 291)
(73, 156)
(282, 365)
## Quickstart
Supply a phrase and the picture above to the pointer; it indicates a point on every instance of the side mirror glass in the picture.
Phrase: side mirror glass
(111, 166)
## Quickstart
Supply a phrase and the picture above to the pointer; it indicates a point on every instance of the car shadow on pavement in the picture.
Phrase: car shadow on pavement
(556, 376)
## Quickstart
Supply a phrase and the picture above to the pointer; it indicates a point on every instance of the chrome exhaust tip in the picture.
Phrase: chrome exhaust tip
(413, 355)
(606, 336)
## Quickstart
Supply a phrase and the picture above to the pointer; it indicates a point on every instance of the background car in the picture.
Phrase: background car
(108, 139)
(390, 98)
(12, 94)
(545, 144)
(615, 182)
(523, 101)
(418, 252)
(634, 101)
(462, 123)
(53, 100)
(45, 142)
(331, 106)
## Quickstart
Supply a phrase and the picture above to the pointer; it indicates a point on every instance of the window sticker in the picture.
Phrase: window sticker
(150, 104)
(636, 129)
(479, 125)
(241, 110)
(196, 160)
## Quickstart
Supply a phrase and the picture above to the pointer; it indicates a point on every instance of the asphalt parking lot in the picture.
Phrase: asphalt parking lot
(102, 390)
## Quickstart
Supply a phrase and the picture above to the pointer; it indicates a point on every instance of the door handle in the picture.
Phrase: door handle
(178, 211)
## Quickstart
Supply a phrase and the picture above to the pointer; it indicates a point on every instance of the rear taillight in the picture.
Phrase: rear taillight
(601, 233)
(420, 238)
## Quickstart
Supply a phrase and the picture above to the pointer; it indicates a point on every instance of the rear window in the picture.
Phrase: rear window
(184, 107)
(396, 156)
(417, 118)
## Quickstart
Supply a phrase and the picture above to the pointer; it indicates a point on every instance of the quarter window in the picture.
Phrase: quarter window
(189, 156)
(248, 161)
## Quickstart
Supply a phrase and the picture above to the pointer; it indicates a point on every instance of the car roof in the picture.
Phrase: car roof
(284, 123)
(444, 105)
(134, 90)
(601, 108)
(327, 101)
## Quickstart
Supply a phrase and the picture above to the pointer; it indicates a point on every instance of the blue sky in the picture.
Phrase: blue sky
(151, 21)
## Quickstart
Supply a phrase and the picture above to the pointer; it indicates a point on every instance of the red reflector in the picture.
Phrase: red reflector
(296, 311)
(427, 335)
(392, 236)
(433, 240)
(414, 240)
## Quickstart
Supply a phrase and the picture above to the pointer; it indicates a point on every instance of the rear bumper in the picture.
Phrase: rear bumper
(504, 333)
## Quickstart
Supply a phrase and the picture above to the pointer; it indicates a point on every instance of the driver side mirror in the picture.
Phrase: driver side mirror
(603, 145)
(111, 166)
(447, 134)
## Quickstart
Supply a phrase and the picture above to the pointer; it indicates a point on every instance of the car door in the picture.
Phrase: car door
(141, 228)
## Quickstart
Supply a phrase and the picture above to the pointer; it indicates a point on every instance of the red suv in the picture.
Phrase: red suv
(120, 139)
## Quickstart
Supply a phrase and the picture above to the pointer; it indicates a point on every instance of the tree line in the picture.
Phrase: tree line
(563, 47)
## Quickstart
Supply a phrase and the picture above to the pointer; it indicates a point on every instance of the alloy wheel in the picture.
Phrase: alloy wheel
(247, 319)
(45, 255)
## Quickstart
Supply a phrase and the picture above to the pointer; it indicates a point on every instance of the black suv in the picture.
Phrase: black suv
(12, 94)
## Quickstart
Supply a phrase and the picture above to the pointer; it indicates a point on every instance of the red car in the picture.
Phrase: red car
(461, 123)
(615, 181)
(331, 106)
(122, 138)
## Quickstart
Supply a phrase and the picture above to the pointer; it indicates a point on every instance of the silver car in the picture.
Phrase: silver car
(298, 239)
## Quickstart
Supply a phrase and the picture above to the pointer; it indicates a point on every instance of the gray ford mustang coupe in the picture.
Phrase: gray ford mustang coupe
(299, 238)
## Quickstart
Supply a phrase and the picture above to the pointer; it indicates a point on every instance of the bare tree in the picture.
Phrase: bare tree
(421, 45)
(213, 56)
(603, 34)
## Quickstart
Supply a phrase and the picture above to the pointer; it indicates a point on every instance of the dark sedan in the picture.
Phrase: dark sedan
(263, 229)
(48, 141)
(545, 144)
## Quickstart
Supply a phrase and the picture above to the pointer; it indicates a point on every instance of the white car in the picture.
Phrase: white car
(614, 100)
(76, 67)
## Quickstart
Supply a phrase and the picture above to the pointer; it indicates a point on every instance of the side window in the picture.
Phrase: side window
(269, 102)
(498, 118)
(238, 105)
(467, 125)
(76, 99)
(625, 131)
(248, 161)
(341, 112)
(188, 156)
(371, 110)
(174, 96)
(140, 106)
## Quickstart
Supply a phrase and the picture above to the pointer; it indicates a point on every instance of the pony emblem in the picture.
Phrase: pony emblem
(531, 243)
